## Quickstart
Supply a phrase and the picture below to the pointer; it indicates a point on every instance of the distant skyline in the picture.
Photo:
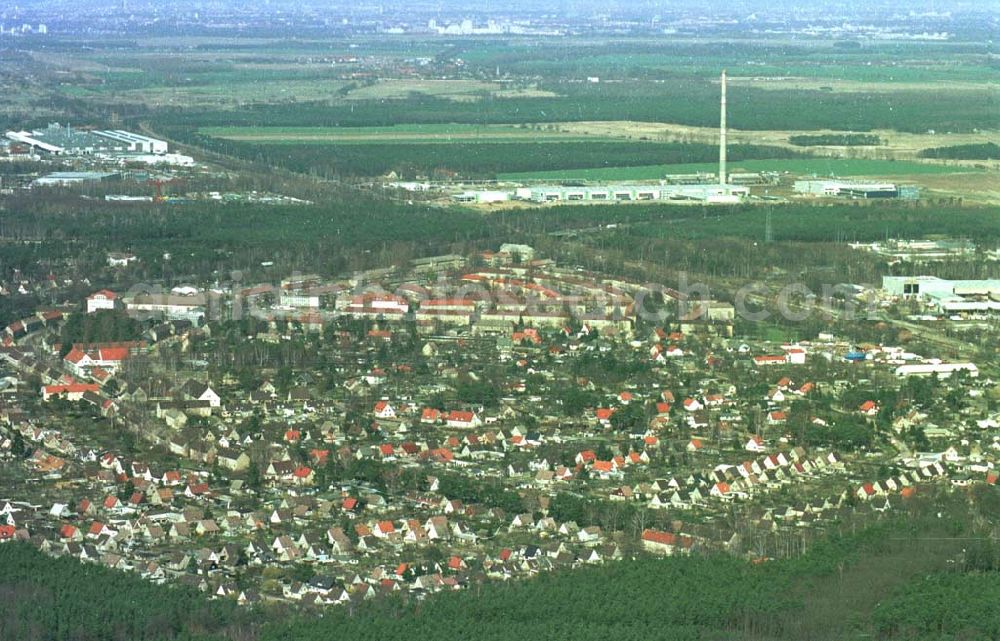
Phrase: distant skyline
(556, 6)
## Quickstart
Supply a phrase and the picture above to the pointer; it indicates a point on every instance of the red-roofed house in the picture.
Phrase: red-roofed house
(384, 410)
(692, 405)
(721, 490)
(108, 356)
(529, 334)
(72, 392)
(776, 417)
(603, 468)
(796, 355)
(303, 475)
(869, 408)
(103, 299)
(660, 542)
(457, 418)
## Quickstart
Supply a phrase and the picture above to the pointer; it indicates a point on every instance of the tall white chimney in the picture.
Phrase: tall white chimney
(722, 133)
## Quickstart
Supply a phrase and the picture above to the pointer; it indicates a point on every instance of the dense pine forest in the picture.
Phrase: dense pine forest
(983, 151)
(477, 160)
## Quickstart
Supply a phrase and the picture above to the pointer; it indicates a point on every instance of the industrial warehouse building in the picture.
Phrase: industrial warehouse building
(854, 189)
(631, 192)
(940, 370)
(67, 178)
(948, 296)
(60, 140)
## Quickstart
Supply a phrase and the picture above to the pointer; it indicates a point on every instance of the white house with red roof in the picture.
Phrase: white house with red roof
(665, 542)
(869, 408)
(692, 405)
(795, 355)
(107, 356)
(604, 415)
(72, 392)
(464, 419)
(384, 529)
(102, 299)
(383, 409)
(755, 444)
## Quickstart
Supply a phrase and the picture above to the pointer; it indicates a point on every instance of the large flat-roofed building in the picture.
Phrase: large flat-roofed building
(64, 140)
(168, 306)
(846, 189)
(66, 178)
(135, 143)
(940, 370)
(710, 193)
(947, 295)
(922, 250)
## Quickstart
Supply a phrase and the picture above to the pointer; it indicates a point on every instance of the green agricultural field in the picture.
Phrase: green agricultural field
(805, 166)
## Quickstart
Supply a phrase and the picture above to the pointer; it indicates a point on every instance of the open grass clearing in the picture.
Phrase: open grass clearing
(895, 144)
(801, 166)
(462, 90)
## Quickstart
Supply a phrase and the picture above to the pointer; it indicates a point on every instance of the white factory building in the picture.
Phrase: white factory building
(940, 370)
(864, 190)
(168, 306)
(948, 296)
(60, 140)
(632, 192)
(135, 143)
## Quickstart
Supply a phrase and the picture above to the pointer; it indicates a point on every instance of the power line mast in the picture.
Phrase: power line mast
(722, 131)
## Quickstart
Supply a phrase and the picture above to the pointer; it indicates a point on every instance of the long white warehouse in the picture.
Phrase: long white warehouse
(941, 370)
(60, 140)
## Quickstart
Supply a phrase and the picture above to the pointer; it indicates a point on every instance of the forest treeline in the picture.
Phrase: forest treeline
(482, 160)
(356, 231)
(687, 102)
(981, 151)
(48, 599)
(809, 140)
